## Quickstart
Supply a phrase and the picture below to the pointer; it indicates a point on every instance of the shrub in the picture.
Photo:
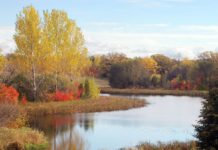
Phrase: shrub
(181, 85)
(62, 96)
(22, 85)
(8, 94)
(23, 138)
(91, 89)
(24, 100)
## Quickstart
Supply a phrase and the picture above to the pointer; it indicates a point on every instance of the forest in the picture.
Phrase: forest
(157, 71)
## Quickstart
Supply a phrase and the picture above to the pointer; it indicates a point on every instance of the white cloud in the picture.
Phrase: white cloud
(180, 42)
(7, 44)
(142, 44)
(209, 28)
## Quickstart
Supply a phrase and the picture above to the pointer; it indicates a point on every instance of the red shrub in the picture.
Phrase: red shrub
(63, 96)
(24, 100)
(75, 92)
(8, 94)
(181, 85)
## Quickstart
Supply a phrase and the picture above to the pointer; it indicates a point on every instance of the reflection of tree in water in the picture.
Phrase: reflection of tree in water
(69, 141)
(86, 121)
(60, 131)
(50, 125)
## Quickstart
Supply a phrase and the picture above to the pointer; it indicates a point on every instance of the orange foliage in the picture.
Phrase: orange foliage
(8, 94)
(71, 94)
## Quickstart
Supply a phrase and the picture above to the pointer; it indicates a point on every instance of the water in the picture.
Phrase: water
(165, 119)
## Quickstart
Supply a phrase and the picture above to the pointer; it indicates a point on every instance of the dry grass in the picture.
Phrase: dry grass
(82, 106)
(170, 146)
(8, 113)
(21, 138)
(153, 92)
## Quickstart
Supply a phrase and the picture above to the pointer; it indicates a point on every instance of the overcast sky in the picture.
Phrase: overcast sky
(178, 28)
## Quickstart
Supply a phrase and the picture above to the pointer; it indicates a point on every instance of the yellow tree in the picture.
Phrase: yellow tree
(2, 62)
(66, 42)
(150, 64)
(30, 56)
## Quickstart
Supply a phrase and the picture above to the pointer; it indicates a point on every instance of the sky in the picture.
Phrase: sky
(176, 28)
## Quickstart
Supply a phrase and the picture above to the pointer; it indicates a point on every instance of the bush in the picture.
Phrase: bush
(8, 94)
(23, 138)
(91, 89)
(62, 96)
(22, 85)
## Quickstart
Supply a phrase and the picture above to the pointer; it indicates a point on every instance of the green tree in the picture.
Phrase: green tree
(207, 130)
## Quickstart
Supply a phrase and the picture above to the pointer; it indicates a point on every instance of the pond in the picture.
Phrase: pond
(165, 119)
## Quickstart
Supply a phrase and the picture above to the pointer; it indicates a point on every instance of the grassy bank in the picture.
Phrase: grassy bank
(82, 106)
(170, 146)
(22, 138)
(153, 92)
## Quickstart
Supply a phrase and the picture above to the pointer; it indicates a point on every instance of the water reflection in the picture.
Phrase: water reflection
(165, 119)
(60, 130)
(86, 121)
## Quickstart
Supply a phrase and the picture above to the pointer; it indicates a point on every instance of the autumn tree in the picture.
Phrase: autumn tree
(164, 65)
(207, 67)
(29, 53)
(65, 41)
(95, 66)
(110, 59)
(150, 64)
(129, 74)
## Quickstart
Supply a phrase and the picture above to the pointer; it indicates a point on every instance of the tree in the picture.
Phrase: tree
(207, 67)
(66, 43)
(108, 60)
(164, 66)
(95, 66)
(164, 63)
(150, 64)
(129, 74)
(207, 130)
(29, 53)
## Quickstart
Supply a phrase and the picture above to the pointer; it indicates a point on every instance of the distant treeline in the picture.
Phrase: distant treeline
(157, 71)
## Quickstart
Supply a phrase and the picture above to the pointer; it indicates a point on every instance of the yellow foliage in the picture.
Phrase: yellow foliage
(150, 64)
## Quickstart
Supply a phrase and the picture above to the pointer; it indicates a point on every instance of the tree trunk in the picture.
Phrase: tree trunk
(56, 84)
(34, 83)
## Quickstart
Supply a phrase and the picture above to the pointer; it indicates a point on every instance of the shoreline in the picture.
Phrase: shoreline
(101, 104)
(159, 92)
